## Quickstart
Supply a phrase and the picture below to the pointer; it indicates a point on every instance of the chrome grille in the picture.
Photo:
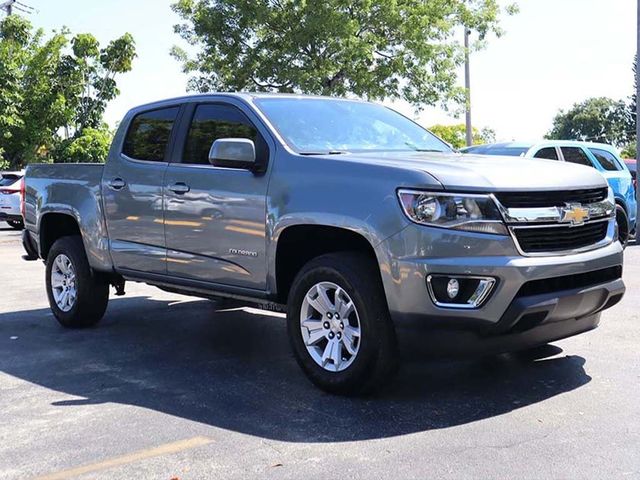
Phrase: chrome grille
(551, 198)
(560, 238)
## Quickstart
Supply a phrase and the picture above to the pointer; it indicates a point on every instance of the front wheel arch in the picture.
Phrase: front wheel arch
(623, 224)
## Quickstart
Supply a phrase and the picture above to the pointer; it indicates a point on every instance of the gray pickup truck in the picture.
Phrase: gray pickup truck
(355, 221)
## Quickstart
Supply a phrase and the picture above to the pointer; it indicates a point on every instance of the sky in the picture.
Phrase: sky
(553, 54)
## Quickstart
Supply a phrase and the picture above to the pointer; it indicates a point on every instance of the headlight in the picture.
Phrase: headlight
(473, 213)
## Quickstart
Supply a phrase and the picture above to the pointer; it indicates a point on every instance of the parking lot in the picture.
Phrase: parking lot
(166, 387)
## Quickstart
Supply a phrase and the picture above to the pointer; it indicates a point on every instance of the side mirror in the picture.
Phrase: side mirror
(233, 153)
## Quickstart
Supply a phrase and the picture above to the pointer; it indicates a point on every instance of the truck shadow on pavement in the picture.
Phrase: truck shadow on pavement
(234, 370)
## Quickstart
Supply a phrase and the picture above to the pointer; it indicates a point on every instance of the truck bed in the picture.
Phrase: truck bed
(73, 190)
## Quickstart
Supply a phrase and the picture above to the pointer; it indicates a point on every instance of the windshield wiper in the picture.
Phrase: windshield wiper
(330, 152)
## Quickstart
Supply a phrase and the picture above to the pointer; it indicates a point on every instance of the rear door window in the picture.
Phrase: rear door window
(549, 153)
(576, 155)
(607, 160)
(149, 134)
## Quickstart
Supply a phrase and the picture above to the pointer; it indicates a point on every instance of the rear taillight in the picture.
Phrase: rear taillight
(8, 191)
(22, 195)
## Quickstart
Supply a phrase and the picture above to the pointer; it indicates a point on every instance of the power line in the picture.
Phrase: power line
(24, 5)
(20, 9)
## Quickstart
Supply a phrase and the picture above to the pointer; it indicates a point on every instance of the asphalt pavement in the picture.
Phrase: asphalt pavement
(168, 387)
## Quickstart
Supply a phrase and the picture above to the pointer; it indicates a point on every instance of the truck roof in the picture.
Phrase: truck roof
(246, 96)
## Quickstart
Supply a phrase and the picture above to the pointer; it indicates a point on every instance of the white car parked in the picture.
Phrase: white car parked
(10, 199)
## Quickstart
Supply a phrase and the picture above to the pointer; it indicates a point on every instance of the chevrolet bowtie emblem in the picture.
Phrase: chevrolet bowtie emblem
(575, 214)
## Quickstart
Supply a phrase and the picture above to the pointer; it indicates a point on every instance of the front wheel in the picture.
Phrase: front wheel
(339, 325)
(77, 297)
(622, 220)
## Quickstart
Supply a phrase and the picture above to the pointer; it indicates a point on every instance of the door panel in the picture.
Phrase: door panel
(216, 231)
(133, 193)
(215, 217)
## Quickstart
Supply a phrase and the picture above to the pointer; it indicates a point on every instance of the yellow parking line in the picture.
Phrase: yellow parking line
(165, 449)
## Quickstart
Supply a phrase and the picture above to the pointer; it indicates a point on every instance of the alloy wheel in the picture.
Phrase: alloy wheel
(330, 326)
(63, 283)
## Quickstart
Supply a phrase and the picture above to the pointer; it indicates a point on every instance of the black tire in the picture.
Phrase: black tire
(623, 225)
(92, 291)
(377, 358)
(16, 224)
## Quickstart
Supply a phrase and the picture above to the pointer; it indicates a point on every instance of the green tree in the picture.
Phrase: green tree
(595, 120)
(456, 134)
(90, 145)
(629, 150)
(48, 86)
(398, 49)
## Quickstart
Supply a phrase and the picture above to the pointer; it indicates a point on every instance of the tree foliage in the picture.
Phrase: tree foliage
(595, 120)
(90, 145)
(629, 150)
(53, 86)
(398, 49)
(455, 135)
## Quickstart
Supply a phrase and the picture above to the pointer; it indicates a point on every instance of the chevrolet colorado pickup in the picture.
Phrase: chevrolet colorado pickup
(353, 219)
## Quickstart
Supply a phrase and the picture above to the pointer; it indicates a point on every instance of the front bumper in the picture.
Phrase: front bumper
(512, 311)
(4, 216)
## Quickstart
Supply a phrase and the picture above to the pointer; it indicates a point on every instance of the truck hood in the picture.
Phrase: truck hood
(488, 173)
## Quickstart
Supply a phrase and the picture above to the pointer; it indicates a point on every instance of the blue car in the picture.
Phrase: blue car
(600, 156)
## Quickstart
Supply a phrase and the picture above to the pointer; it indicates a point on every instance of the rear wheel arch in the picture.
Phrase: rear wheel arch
(54, 226)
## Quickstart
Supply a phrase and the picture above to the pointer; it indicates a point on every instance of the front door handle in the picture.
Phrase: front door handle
(117, 184)
(179, 188)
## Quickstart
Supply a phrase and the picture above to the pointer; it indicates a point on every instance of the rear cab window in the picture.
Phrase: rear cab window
(606, 159)
(149, 134)
(576, 155)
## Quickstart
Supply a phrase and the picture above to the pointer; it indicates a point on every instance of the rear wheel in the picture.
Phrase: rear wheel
(622, 220)
(77, 297)
(339, 326)
(16, 224)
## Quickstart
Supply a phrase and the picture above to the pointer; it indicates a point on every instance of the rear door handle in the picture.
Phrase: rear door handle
(117, 184)
(179, 188)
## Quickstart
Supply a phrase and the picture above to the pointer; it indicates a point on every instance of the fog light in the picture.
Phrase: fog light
(459, 291)
(453, 287)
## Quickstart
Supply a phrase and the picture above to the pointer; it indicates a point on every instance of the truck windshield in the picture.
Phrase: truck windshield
(322, 126)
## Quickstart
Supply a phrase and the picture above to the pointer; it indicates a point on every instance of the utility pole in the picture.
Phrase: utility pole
(638, 107)
(7, 6)
(467, 85)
